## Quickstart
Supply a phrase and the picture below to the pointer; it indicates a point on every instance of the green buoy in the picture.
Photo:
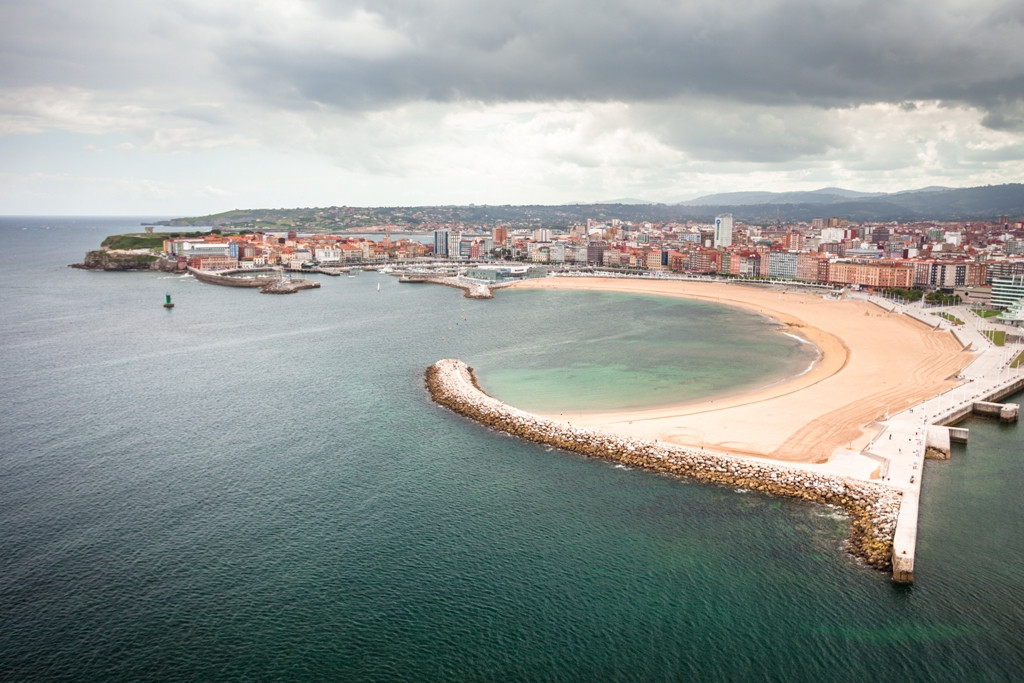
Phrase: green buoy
(167, 303)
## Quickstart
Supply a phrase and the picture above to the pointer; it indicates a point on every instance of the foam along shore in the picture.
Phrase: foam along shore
(872, 363)
(874, 508)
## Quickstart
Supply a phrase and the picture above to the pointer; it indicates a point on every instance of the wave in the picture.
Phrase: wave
(798, 338)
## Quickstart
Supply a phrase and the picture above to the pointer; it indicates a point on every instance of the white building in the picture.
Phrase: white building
(454, 242)
(1007, 291)
(723, 230)
(329, 254)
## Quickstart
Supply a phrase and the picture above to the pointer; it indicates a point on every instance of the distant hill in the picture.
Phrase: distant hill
(626, 200)
(930, 203)
(827, 195)
(941, 204)
(930, 188)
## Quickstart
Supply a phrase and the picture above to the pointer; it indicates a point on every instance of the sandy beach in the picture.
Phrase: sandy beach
(872, 363)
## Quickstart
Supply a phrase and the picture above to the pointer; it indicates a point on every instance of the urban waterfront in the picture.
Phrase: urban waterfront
(260, 487)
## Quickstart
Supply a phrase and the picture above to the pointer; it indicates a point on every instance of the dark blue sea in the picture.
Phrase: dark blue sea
(253, 487)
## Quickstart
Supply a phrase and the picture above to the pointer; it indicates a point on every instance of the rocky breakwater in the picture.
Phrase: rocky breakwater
(873, 508)
(288, 286)
(472, 290)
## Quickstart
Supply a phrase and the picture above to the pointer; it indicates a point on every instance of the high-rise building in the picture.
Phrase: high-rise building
(440, 243)
(723, 230)
(455, 246)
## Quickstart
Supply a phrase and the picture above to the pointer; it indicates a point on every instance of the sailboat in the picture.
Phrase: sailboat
(378, 286)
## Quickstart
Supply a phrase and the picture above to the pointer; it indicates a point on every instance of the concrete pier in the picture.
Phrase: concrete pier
(1007, 412)
(937, 442)
(958, 434)
(904, 542)
(927, 430)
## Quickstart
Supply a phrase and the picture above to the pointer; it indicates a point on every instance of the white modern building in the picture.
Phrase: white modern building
(723, 230)
(1006, 291)
(1014, 315)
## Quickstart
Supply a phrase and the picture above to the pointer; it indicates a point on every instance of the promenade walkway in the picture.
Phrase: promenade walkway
(902, 443)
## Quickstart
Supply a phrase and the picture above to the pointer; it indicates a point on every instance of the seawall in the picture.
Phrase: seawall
(472, 289)
(271, 284)
(874, 509)
(221, 278)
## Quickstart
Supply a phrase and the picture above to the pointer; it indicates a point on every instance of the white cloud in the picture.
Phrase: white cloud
(403, 101)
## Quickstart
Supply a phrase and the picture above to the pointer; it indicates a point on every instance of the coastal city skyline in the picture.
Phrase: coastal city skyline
(183, 107)
(943, 261)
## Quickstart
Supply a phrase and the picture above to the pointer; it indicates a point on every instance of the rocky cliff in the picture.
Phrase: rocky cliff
(113, 259)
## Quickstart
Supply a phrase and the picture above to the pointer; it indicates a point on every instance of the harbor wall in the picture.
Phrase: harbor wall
(220, 278)
(873, 508)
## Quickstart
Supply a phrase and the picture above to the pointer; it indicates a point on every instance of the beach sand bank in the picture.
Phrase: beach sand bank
(872, 363)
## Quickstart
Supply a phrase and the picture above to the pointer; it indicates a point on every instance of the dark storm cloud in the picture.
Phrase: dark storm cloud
(360, 55)
(790, 52)
(580, 94)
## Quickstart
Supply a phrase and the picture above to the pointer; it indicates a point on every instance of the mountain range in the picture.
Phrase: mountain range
(984, 203)
(927, 203)
(826, 195)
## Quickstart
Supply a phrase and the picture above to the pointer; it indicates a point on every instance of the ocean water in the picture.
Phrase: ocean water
(259, 487)
(592, 350)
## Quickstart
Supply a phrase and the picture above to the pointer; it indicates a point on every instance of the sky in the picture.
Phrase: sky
(190, 107)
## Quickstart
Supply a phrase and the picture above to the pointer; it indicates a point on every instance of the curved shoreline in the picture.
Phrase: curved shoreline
(872, 363)
(873, 508)
(833, 352)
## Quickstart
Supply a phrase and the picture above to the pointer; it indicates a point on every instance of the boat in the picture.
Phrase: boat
(378, 286)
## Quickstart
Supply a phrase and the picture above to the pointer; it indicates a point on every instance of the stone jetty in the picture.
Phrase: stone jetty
(873, 508)
(268, 284)
(288, 286)
(471, 288)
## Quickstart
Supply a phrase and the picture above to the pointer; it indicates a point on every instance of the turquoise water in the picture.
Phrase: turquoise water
(258, 487)
(590, 351)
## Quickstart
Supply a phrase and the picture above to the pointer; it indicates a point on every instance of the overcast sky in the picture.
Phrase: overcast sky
(187, 107)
